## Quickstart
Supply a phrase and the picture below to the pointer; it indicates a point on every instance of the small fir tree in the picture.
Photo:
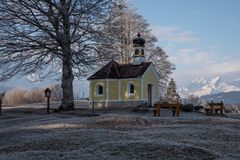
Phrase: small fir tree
(172, 95)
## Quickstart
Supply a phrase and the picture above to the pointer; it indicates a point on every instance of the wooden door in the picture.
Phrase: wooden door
(149, 88)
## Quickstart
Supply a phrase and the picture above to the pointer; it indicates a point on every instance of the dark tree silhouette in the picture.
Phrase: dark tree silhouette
(43, 35)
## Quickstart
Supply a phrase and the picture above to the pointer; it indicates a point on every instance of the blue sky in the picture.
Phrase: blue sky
(202, 37)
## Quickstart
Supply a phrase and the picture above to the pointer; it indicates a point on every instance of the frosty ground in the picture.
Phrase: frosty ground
(116, 134)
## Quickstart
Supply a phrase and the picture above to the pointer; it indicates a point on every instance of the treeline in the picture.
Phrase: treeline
(21, 96)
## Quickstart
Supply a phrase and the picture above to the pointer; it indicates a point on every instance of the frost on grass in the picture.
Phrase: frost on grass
(109, 121)
(119, 122)
(118, 137)
(59, 126)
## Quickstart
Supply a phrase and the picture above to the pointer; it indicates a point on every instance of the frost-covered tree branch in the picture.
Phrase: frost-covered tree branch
(123, 27)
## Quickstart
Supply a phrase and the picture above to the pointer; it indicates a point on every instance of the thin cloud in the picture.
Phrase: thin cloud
(209, 69)
(174, 34)
(191, 63)
(224, 67)
(188, 56)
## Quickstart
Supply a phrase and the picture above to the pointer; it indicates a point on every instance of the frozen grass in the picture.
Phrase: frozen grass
(117, 135)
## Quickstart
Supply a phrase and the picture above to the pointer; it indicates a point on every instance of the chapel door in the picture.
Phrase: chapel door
(149, 89)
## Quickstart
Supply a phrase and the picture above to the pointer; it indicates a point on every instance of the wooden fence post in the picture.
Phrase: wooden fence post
(221, 107)
(1, 98)
(177, 108)
(211, 108)
(158, 109)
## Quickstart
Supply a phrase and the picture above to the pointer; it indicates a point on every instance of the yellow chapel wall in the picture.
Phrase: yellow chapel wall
(113, 92)
(113, 89)
(150, 78)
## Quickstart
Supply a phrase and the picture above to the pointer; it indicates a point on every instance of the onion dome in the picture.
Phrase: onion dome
(138, 41)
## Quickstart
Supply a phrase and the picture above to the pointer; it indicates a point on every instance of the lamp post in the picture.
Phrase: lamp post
(48, 95)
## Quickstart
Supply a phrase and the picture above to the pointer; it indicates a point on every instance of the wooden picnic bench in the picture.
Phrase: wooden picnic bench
(173, 106)
(214, 108)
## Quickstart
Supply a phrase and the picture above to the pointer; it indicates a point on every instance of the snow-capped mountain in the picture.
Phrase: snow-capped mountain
(207, 86)
(226, 97)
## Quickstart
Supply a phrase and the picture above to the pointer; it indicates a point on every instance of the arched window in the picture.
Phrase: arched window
(136, 52)
(99, 89)
(130, 88)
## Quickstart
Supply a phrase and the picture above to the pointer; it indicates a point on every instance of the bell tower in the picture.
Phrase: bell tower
(138, 56)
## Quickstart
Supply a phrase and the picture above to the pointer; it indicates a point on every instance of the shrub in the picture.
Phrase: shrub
(197, 108)
(187, 107)
(15, 97)
(56, 92)
(228, 110)
(142, 107)
(20, 96)
(35, 96)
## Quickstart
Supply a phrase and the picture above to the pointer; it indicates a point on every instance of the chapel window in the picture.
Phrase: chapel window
(99, 89)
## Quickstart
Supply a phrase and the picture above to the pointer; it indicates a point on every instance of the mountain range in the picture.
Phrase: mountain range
(215, 88)
(227, 97)
(207, 86)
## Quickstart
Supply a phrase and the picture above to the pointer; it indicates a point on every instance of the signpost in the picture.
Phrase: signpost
(48, 95)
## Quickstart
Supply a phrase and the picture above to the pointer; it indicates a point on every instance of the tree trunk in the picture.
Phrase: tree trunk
(67, 73)
(0, 105)
(67, 82)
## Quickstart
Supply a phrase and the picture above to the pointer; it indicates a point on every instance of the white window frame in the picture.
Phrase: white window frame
(128, 89)
(97, 89)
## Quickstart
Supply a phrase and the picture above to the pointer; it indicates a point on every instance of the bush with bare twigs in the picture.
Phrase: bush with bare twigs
(21, 96)
(15, 97)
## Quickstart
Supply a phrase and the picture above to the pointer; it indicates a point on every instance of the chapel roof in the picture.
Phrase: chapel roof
(118, 71)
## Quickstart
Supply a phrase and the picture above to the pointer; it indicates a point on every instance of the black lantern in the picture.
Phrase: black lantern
(48, 95)
(48, 92)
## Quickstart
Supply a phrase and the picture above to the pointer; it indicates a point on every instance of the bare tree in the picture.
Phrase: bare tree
(164, 67)
(192, 99)
(35, 96)
(15, 97)
(39, 36)
(56, 92)
(122, 29)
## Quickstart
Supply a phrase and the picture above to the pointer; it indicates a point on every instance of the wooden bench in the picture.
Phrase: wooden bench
(214, 108)
(173, 106)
